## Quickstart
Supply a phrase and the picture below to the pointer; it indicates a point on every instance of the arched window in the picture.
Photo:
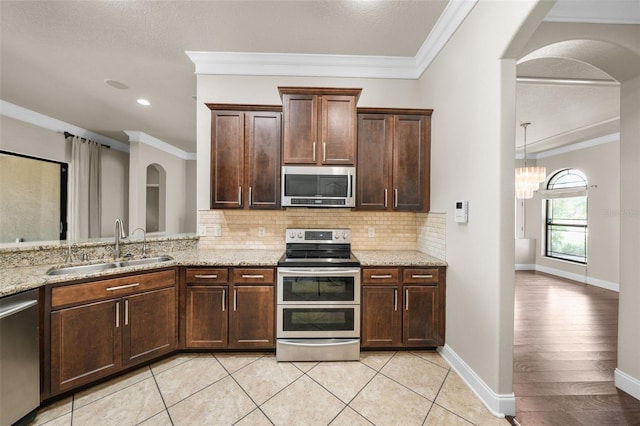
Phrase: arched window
(566, 221)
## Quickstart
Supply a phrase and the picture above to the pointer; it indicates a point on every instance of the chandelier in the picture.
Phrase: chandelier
(528, 178)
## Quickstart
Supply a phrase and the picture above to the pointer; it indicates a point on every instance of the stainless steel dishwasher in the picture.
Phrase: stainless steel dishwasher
(19, 357)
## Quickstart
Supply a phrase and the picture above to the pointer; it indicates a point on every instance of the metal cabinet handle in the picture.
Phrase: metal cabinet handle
(224, 299)
(126, 312)
(250, 197)
(421, 276)
(212, 276)
(120, 287)
(313, 152)
(406, 299)
(117, 314)
(381, 276)
(385, 197)
(395, 198)
(395, 299)
(235, 300)
(240, 195)
(258, 276)
(324, 151)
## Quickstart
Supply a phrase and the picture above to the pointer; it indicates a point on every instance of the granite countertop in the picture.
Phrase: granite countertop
(18, 279)
(396, 258)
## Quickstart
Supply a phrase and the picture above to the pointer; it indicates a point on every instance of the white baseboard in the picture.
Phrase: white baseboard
(525, 267)
(627, 383)
(570, 276)
(499, 405)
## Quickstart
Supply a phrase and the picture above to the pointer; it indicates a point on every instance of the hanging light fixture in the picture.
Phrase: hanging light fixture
(528, 178)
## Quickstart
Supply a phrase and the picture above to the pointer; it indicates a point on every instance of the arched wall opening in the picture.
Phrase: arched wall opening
(156, 199)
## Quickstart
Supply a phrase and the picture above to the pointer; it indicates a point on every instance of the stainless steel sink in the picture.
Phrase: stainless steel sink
(97, 267)
(144, 261)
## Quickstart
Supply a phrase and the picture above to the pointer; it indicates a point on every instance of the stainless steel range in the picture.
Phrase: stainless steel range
(318, 309)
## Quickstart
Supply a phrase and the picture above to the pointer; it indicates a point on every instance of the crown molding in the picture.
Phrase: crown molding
(613, 137)
(595, 12)
(28, 116)
(346, 66)
(142, 137)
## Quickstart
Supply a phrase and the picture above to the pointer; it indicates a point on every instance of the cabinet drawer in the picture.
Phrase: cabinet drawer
(380, 276)
(207, 276)
(116, 287)
(253, 275)
(420, 276)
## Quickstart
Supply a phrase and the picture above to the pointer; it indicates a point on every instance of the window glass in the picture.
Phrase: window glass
(566, 221)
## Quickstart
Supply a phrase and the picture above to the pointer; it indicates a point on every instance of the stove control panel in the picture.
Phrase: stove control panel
(297, 235)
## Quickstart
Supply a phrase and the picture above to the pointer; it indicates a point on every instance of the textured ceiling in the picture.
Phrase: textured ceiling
(56, 55)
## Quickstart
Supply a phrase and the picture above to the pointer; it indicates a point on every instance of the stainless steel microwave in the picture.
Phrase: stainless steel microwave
(318, 186)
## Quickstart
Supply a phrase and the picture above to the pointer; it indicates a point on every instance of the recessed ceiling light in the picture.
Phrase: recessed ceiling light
(144, 102)
(116, 84)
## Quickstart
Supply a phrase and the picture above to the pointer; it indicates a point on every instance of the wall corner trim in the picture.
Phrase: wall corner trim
(498, 404)
(627, 383)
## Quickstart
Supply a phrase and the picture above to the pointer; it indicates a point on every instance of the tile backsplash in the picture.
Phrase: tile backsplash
(254, 229)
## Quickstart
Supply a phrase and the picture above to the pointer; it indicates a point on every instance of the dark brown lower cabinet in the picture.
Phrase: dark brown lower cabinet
(230, 309)
(101, 327)
(402, 307)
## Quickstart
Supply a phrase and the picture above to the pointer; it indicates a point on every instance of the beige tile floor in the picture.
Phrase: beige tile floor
(383, 388)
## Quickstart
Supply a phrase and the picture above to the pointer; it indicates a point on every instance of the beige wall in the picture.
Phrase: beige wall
(600, 164)
(24, 138)
(176, 210)
(472, 93)
(629, 314)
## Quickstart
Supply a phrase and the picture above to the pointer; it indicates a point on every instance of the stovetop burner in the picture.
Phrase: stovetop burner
(318, 248)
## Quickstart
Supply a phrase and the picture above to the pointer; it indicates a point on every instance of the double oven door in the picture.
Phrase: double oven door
(318, 302)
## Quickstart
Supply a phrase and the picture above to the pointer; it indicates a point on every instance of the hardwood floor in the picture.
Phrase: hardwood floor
(564, 355)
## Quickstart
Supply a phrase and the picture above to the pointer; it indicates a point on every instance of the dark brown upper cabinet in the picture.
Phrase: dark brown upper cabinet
(319, 125)
(393, 159)
(245, 156)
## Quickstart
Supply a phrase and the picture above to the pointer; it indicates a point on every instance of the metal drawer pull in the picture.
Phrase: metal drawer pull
(205, 277)
(240, 195)
(258, 276)
(117, 314)
(395, 299)
(235, 300)
(385, 197)
(406, 299)
(126, 312)
(120, 287)
(224, 299)
(324, 151)
(313, 152)
(395, 198)
(381, 276)
(250, 196)
(422, 276)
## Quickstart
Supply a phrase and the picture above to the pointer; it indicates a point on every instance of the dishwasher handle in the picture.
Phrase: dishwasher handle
(14, 309)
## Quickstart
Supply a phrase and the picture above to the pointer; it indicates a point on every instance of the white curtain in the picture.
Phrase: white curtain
(84, 206)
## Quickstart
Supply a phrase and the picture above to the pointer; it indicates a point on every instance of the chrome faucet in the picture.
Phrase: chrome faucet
(144, 240)
(119, 233)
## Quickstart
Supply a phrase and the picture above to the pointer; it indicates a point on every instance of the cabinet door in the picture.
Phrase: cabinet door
(338, 130)
(263, 133)
(381, 316)
(300, 128)
(410, 163)
(227, 158)
(85, 344)
(375, 138)
(206, 317)
(252, 318)
(420, 316)
(149, 327)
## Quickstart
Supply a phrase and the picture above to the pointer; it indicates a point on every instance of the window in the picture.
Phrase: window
(566, 222)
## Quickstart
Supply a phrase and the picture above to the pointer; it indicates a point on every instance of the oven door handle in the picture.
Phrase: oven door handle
(319, 272)
(316, 344)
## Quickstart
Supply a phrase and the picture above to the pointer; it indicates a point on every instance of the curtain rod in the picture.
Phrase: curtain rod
(67, 134)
